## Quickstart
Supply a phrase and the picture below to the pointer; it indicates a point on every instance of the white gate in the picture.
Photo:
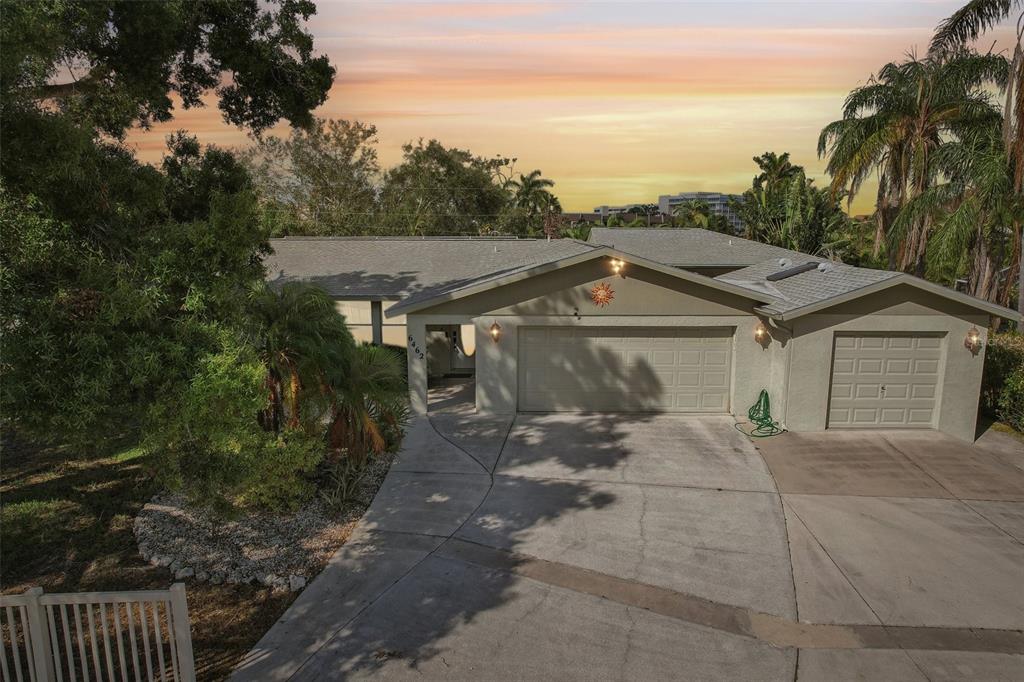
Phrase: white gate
(88, 636)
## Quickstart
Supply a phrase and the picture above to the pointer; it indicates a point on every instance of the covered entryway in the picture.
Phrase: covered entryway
(624, 369)
(885, 380)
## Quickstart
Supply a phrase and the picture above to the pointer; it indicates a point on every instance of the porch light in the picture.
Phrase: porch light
(973, 340)
(760, 332)
(617, 266)
(495, 332)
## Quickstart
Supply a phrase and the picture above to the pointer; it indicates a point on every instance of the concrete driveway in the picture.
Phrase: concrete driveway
(634, 547)
(902, 528)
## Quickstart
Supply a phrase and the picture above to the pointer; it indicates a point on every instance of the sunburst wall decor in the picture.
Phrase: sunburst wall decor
(602, 294)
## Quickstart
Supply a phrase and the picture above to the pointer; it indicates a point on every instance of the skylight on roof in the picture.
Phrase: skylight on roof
(784, 274)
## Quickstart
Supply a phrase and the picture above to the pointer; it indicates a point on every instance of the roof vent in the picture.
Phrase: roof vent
(785, 263)
(826, 266)
(776, 276)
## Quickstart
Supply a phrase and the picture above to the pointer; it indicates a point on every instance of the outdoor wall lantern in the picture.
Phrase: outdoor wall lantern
(617, 266)
(495, 332)
(760, 332)
(973, 340)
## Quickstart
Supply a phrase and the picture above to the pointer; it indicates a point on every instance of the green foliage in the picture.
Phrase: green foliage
(300, 338)
(206, 441)
(530, 192)
(129, 57)
(370, 404)
(125, 289)
(196, 176)
(580, 231)
(896, 126)
(97, 327)
(698, 213)
(437, 190)
(1004, 358)
(320, 180)
(340, 482)
(1011, 400)
(784, 208)
(969, 22)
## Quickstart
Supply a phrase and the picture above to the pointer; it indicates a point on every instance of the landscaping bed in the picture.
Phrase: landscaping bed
(280, 551)
(67, 525)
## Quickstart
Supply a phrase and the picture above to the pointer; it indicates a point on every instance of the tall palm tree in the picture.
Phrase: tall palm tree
(973, 210)
(963, 26)
(775, 168)
(893, 125)
(300, 337)
(530, 192)
(369, 398)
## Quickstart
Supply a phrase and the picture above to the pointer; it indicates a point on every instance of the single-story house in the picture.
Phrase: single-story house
(660, 320)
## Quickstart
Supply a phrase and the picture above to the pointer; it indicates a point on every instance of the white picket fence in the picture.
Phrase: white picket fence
(97, 636)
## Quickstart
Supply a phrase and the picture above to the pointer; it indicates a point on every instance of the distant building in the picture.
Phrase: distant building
(605, 211)
(718, 202)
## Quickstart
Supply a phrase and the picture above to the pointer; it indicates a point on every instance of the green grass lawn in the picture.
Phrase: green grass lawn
(66, 526)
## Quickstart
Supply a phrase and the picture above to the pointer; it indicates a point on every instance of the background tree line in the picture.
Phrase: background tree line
(943, 136)
(325, 179)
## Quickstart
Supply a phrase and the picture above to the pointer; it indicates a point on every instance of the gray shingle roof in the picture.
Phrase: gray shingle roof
(806, 288)
(432, 296)
(394, 268)
(688, 247)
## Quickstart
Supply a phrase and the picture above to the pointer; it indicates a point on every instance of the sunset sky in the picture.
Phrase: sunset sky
(616, 102)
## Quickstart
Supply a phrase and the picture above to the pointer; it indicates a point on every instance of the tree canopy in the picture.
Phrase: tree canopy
(117, 278)
(121, 63)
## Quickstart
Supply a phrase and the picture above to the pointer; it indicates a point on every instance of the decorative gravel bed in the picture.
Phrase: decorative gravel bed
(279, 551)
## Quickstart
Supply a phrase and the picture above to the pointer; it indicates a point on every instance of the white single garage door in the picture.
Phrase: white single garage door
(624, 369)
(887, 381)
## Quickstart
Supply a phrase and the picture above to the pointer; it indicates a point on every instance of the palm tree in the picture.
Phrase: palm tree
(963, 26)
(530, 192)
(974, 212)
(579, 230)
(775, 168)
(646, 210)
(696, 213)
(369, 399)
(893, 125)
(300, 336)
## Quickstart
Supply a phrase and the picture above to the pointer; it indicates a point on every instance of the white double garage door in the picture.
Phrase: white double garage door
(624, 369)
(877, 380)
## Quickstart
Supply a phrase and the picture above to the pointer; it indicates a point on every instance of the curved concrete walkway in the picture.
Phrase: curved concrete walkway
(583, 547)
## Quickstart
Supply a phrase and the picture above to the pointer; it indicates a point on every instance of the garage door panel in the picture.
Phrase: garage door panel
(922, 391)
(689, 358)
(885, 380)
(716, 358)
(716, 380)
(624, 369)
(896, 391)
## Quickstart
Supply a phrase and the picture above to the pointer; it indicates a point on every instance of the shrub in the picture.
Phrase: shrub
(1011, 399)
(206, 440)
(1003, 357)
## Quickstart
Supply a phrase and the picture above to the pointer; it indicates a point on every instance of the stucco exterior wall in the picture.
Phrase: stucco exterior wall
(643, 298)
(562, 292)
(901, 309)
(794, 364)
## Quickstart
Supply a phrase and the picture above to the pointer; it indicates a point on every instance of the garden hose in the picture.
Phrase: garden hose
(760, 415)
